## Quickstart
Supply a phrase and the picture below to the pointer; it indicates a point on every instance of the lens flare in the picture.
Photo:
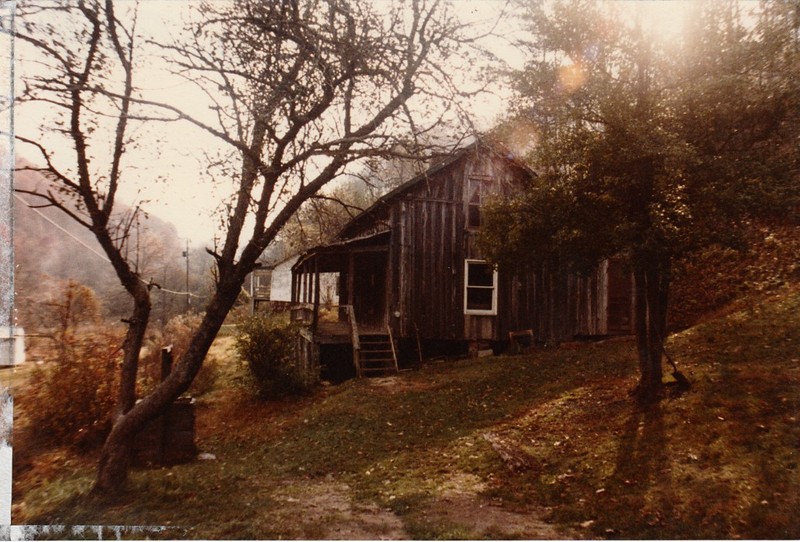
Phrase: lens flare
(571, 76)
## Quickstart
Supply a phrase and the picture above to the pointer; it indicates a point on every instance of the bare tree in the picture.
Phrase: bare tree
(299, 89)
(75, 47)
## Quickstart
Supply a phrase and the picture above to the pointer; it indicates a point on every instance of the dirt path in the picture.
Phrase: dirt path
(328, 510)
(461, 504)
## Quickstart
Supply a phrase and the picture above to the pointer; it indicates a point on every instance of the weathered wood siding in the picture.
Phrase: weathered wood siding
(558, 305)
(429, 243)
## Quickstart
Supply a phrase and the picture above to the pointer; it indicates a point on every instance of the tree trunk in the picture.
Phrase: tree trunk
(132, 347)
(115, 457)
(113, 451)
(652, 279)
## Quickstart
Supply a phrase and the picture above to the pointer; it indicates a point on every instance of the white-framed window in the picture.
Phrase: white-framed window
(480, 288)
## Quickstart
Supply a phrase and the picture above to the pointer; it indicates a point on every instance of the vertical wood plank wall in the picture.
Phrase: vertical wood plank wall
(428, 244)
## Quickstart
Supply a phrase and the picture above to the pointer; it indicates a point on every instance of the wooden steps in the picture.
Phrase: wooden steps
(376, 354)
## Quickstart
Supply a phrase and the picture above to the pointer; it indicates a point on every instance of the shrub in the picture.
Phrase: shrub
(267, 345)
(71, 400)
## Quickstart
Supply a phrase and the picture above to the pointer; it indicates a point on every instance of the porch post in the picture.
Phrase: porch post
(351, 271)
(294, 287)
(306, 285)
(315, 317)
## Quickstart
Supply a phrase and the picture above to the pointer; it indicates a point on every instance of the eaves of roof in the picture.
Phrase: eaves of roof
(332, 247)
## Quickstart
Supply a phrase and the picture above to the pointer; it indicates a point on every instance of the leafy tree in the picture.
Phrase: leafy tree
(298, 90)
(650, 149)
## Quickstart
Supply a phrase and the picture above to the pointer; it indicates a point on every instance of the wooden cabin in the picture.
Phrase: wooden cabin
(410, 272)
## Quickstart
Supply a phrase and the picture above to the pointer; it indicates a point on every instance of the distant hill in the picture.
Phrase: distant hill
(50, 246)
(48, 242)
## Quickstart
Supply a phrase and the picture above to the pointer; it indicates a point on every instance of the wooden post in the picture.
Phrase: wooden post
(307, 285)
(351, 271)
(315, 315)
(161, 423)
(166, 362)
(294, 287)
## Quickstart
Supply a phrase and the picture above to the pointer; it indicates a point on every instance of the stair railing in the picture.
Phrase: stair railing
(394, 352)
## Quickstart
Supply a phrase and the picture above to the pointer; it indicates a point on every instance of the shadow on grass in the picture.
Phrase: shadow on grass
(641, 493)
(759, 442)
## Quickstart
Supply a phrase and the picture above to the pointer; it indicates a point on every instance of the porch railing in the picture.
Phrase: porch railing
(303, 313)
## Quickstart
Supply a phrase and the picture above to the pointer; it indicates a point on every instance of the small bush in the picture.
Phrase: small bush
(71, 400)
(267, 345)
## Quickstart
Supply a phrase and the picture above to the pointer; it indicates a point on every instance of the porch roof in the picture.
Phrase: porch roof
(333, 257)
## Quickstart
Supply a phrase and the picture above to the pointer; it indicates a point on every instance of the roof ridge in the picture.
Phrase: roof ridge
(457, 154)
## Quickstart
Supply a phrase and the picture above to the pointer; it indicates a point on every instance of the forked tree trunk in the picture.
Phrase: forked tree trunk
(115, 457)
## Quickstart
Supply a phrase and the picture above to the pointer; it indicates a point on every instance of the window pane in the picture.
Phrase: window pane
(479, 299)
(476, 196)
(480, 274)
(474, 217)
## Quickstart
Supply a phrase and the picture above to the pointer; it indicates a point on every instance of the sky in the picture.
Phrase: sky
(168, 171)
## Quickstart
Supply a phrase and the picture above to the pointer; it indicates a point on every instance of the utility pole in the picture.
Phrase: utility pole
(188, 296)
(164, 299)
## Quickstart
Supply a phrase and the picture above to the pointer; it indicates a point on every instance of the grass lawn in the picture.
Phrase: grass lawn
(544, 445)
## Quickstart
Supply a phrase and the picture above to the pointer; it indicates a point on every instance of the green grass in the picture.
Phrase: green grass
(717, 462)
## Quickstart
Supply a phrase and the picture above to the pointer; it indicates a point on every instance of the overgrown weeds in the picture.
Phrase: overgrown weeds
(70, 400)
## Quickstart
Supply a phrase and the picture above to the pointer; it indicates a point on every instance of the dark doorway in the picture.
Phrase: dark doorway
(369, 288)
(620, 294)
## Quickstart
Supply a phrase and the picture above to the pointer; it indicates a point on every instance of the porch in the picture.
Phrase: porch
(359, 268)
(373, 348)
(356, 312)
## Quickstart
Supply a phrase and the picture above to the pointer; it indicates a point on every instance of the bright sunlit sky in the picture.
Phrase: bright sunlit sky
(169, 171)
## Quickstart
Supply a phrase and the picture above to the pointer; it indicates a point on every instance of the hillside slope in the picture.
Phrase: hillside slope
(536, 446)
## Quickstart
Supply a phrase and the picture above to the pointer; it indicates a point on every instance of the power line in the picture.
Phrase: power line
(92, 250)
(50, 220)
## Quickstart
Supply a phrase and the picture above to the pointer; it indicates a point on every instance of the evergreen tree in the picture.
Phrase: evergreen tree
(650, 149)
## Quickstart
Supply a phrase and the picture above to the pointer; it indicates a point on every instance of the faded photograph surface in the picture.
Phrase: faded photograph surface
(399, 269)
